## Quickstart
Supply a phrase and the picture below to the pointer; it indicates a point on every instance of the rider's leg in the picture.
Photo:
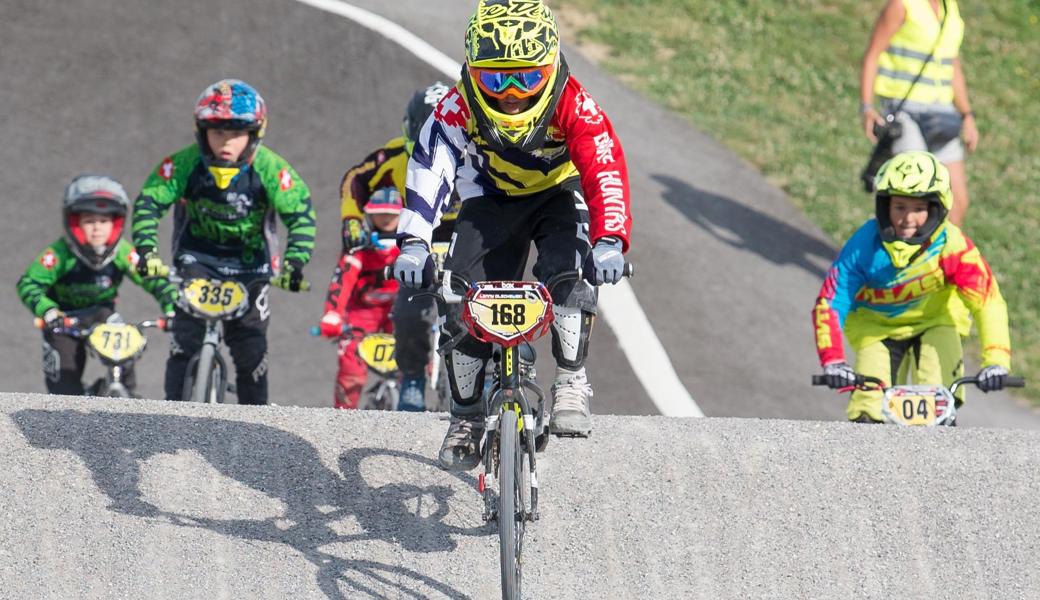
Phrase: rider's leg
(491, 241)
(938, 359)
(882, 359)
(246, 339)
(64, 359)
(562, 238)
(413, 321)
(185, 341)
(352, 374)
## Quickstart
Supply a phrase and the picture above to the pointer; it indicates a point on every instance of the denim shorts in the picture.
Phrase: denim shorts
(912, 138)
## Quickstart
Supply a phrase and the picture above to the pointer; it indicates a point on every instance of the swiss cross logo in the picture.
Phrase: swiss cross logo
(587, 109)
(452, 110)
(49, 260)
(285, 180)
(134, 258)
(166, 169)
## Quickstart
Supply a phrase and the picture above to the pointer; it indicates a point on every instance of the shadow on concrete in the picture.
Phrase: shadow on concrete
(745, 228)
(280, 465)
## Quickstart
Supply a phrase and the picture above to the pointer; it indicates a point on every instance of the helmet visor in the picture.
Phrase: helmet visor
(521, 83)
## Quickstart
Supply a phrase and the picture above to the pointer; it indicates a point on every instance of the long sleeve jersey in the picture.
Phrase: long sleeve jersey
(870, 299)
(385, 167)
(57, 279)
(450, 155)
(358, 281)
(227, 222)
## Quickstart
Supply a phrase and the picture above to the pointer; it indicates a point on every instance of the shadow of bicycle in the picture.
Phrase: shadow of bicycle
(282, 466)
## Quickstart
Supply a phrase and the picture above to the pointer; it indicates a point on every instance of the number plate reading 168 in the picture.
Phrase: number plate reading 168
(507, 311)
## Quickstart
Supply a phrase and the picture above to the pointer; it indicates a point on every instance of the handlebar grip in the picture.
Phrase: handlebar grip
(630, 269)
(315, 331)
(1014, 381)
(819, 380)
(38, 323)
(388, 272)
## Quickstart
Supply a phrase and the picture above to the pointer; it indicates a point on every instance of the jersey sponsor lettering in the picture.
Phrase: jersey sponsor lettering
(612, 189)
(604, 148)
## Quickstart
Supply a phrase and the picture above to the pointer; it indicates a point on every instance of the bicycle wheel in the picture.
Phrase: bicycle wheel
(511, 510)
(202, 383)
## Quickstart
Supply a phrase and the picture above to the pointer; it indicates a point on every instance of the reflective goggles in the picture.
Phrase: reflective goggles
(498, 83)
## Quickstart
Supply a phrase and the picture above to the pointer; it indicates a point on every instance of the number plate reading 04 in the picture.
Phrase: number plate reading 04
(377, 350)
(116, 341)
(214, 299)
(917, 405)
(508, 312)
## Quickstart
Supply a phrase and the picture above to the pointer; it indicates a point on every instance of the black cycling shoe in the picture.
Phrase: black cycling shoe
(461, 448)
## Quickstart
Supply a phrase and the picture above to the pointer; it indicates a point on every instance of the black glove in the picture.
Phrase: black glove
(991, 378)
(150, 264)
(839, 375)
(291, 277)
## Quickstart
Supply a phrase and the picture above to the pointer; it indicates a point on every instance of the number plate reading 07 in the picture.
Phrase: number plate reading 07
(916, 405)
(377, 350)
(215, 298)
(505, 311)
(116, 341)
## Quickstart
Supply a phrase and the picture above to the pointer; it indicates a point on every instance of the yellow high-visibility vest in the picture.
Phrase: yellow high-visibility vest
(900, 63)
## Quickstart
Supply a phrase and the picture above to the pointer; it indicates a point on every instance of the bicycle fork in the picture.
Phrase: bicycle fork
(508, 395)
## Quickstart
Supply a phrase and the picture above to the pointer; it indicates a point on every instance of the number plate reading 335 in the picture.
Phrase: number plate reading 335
(506, 311)
(116, 341)
(215, 298)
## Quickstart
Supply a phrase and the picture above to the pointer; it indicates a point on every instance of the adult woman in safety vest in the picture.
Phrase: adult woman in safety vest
(906, 33)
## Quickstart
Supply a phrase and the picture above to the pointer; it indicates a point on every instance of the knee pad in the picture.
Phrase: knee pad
(466, 375)
(570, 336)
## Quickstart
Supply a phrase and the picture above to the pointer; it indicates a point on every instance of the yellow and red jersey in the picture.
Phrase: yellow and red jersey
(869, 299)
(451, 156)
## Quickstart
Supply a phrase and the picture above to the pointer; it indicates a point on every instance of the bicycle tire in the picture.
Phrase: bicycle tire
(203, 380)
(511, 512)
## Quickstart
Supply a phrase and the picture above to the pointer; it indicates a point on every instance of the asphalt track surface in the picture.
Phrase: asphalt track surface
(109, 499)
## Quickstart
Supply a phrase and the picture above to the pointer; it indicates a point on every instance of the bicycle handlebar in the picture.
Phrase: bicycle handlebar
(1015, 381)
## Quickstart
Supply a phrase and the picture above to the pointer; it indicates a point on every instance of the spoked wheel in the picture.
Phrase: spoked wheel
(512, 512)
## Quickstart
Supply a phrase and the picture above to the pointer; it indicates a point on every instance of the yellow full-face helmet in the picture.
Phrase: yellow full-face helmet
(513, 49)
(916, 175)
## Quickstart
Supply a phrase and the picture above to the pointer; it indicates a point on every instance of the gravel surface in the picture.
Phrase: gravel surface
(106, 499)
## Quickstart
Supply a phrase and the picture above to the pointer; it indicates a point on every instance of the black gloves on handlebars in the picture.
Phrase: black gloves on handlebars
(991, 378)
(839, 375)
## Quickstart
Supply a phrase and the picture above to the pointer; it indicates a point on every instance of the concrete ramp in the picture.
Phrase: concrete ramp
(105, 499)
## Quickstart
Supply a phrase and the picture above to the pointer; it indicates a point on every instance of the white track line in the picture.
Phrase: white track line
(636, 336)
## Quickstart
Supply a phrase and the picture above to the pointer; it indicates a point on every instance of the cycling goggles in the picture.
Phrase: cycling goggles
(498, 83)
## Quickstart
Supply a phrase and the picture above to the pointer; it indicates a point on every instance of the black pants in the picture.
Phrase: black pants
(65, 357)
(493, 236)
(246, 338)
(413, 322)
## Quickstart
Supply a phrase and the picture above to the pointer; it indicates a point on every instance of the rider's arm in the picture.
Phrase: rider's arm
(596, 151)
(42, 273)
(838, 293)
(163, 187)
(344, 278)
(964, 267)
(431, 170)
(291, 199)
(164, 292)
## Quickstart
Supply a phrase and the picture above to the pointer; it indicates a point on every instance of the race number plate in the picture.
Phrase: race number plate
(116, 341)
(215, 299)
(916, 405)
(505, 311)
(377, 350)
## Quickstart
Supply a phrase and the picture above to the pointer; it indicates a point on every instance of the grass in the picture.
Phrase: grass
(778, 82)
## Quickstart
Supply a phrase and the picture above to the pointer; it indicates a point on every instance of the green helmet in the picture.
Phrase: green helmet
(915, 175)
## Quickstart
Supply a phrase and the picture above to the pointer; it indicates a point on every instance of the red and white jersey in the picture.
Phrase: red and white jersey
(450, 154)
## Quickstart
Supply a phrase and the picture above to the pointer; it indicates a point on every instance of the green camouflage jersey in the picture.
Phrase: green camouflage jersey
(229, 219)
(57, 279)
